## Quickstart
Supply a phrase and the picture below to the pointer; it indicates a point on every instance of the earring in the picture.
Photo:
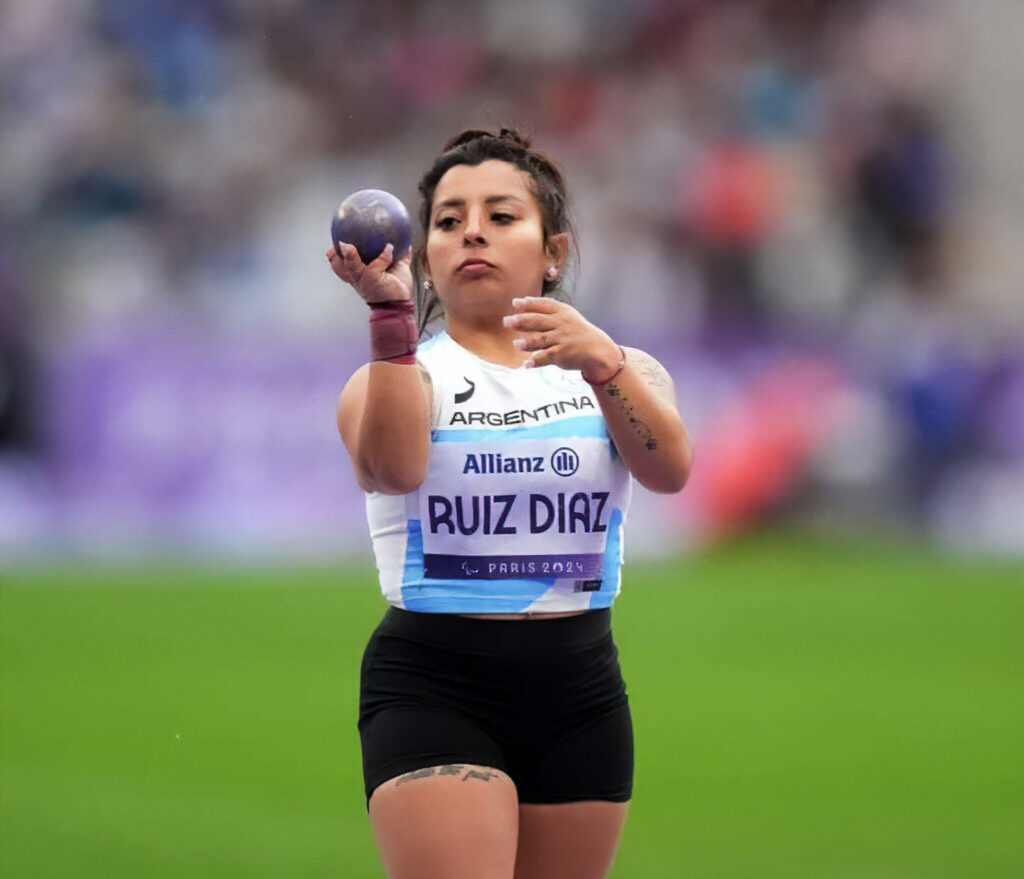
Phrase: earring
(552, 272)
(428, 284)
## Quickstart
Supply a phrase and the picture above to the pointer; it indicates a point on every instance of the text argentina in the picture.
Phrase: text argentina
(522, 416)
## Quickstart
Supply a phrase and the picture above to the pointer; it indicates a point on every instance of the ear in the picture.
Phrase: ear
(557, 247)
(424, 265)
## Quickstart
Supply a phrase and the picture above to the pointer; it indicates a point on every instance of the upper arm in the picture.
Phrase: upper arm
(351, 402)
(654, 375)
(366, 454)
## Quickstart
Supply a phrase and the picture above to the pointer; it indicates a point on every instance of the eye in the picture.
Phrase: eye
(445, 223)
(502, 218)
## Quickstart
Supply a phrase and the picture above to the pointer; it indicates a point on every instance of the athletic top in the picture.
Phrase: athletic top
(524, 500)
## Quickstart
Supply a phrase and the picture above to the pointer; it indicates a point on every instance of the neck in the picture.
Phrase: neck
(489, 340)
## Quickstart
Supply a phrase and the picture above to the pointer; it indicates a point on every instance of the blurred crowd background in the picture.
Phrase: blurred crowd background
(812, 212)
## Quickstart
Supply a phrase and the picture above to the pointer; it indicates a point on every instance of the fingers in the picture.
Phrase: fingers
(349, 266)
(539, 322)
(542, 358)
(535, 342)
(383, 259)
(345, 261)
(534, 314)
(383, 279)
(347, 253)
(539, 319)
(541, 304)
(530, 322)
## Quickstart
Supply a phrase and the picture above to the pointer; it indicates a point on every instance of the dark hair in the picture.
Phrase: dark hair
(473, 147)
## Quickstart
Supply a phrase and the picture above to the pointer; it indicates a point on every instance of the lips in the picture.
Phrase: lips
(473, 262)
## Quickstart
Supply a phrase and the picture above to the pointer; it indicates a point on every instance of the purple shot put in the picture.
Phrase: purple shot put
(371, 219)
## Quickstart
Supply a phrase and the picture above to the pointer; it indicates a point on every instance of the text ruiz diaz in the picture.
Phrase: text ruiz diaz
(489, 514)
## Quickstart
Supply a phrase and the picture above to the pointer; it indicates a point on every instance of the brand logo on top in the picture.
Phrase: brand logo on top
(462, 396)
(565, 461)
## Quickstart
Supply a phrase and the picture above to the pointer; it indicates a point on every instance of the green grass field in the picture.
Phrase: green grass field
(803, 709)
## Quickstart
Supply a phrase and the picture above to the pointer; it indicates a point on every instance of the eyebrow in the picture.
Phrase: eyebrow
(491, 199)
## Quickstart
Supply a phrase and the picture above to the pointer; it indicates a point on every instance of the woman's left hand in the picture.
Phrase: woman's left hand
(557, 333)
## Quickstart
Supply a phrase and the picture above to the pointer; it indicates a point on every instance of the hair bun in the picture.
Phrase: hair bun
(513, 136)
(466, 137)
(508, 135)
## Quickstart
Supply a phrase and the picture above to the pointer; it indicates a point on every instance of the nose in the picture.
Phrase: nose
(473, 231)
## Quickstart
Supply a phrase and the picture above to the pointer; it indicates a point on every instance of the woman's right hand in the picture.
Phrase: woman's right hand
(376, 281)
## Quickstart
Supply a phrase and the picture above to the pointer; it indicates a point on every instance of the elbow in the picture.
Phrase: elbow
(671, 476)
(391, 477)
(666, 481)
(677, 482)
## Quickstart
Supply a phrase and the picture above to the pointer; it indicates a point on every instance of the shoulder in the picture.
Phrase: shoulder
(355, 387)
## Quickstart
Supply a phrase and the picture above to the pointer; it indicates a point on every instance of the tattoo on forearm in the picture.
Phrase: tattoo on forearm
(656, 377)
(449, 769)
(642, 431)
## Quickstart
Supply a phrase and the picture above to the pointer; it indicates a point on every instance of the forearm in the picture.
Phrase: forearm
(634, 391)
(647, 430)
(394, 433)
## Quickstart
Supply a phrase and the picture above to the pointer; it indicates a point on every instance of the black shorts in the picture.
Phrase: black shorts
(540, 699)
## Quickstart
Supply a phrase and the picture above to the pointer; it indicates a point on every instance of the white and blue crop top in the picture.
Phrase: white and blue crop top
(524, 500)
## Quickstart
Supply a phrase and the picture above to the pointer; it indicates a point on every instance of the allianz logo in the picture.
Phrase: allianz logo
(563, 461)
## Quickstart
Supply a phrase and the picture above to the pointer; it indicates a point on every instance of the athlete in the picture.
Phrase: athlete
(497, 458)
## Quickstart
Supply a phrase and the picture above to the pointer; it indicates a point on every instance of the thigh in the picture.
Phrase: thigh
(399, 740)
(422, 706)
(595, 763)
(454, 821)
(568, 840)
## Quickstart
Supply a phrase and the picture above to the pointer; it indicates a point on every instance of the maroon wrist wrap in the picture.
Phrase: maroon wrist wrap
(393, 333)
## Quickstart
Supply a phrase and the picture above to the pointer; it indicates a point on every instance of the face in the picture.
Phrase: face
(485, 242)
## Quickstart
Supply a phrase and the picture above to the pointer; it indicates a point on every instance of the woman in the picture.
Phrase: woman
(496, 458)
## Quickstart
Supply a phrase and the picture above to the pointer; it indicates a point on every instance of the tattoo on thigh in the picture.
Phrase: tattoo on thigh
(417, 773)
(430, 772)
(486, 775)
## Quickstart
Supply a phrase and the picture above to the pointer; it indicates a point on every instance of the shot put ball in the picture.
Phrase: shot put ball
(371, 219)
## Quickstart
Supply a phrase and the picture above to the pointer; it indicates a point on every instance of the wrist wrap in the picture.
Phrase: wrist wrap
(393, 335)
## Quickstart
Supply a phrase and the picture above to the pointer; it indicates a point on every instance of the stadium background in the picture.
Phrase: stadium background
(811, 212)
